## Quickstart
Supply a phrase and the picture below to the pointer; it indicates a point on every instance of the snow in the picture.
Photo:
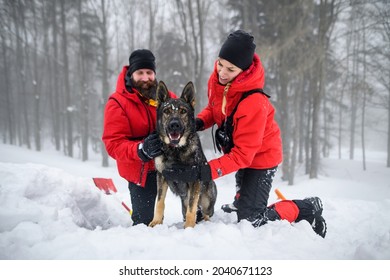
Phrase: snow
(50, 209)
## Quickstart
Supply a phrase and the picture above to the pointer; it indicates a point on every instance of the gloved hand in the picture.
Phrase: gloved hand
(150, 148)
(188, 173)
(199, 124)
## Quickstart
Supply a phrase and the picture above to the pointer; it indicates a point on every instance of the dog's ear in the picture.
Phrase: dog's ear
(188, 94)
(162, 93)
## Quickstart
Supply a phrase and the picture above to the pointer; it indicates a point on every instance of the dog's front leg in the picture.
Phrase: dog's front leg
(162, 187)
(192, 205)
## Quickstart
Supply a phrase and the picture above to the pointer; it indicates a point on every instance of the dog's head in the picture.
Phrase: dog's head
(175, 117)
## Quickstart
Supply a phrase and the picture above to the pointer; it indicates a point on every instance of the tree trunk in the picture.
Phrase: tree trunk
(388, 131)
(83, 88)
(57, 112)
(309, 124)
(364, 97)
(295, 132)
(325, 20)
(105, 88)
(314, 161)
(23, 131)
(68, 104)
(354, 98)
(37, 95)
(284, 114)
(9, 109)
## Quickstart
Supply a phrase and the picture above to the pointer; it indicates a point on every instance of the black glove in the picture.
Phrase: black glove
(150, 148)
(199, 124)
(188, 173)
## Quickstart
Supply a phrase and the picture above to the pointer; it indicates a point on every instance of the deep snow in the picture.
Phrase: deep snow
(50, 209)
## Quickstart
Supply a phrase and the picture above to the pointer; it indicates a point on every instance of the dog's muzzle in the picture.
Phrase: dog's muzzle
(174, 131)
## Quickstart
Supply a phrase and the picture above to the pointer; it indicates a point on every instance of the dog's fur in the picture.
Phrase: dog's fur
(176, 127)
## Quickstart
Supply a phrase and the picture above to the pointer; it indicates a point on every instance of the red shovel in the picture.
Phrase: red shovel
(107, 185)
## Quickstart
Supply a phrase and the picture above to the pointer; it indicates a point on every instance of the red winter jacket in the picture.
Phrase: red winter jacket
(127, 121)
(257, 140)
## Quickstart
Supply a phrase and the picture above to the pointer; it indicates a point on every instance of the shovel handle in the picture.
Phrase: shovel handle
(279, 194)
(127, 208)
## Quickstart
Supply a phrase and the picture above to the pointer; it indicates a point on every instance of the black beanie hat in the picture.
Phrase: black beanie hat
(238, 49)
(141, 59)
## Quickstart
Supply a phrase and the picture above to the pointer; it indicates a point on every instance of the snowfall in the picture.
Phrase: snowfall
(50, 209)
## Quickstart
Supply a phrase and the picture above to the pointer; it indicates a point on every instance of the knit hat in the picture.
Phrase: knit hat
(141, 59)
(238, 49)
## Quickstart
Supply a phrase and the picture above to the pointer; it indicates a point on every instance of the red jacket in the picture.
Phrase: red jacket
(127, 121)
(257, 140)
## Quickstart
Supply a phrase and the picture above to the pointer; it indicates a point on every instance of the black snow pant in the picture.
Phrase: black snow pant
(143, 199)
(255, 186)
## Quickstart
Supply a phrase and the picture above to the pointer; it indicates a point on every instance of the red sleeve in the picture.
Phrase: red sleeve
(116, 133)
(249, 126)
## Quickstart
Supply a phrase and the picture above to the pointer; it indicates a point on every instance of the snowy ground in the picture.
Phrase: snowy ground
(50, 209)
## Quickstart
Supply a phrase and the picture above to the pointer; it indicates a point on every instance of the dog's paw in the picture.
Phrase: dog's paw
(155, 222)
(187, 225)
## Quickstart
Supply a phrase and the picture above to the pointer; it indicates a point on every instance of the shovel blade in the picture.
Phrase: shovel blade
(105, 184)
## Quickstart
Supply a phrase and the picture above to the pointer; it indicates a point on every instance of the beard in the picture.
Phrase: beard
(146, 88)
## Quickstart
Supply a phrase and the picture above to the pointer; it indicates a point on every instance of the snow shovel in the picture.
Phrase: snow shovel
(107, 185)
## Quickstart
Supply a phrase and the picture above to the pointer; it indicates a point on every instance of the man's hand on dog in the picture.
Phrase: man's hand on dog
(188, 173)
(150, 148)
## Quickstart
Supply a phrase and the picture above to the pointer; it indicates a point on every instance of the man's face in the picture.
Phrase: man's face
(144, 78)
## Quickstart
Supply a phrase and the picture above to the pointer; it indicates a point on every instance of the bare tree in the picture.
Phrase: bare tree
(8, 110)
(382, 14)
(19, 21)
(69, 108)
(57, 112)
(36, 80)
(192, 17)
(326, 19)
(105, 71)
(320, 94)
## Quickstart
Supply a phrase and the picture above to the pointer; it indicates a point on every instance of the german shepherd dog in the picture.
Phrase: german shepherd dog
(181, 145)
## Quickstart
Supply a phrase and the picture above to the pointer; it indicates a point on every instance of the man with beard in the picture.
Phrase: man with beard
(129, 132)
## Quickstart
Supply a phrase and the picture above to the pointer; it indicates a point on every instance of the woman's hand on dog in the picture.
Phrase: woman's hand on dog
(188, 173)
(199, 124)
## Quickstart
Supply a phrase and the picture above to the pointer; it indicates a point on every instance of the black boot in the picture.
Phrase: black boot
(310, 209)
(231, 207)
(260, 219)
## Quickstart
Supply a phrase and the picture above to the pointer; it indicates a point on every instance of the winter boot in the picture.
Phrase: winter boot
(229, 208)
(318, 224)
(316, 203)
(260, 219)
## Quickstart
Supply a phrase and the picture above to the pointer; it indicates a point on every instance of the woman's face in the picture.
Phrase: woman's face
(226, 71)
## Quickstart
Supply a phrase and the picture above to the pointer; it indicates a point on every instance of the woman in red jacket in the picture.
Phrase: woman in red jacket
(251, 140)
(129, 131)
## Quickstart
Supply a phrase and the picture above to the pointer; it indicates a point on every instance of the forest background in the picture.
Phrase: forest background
(327, 68)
